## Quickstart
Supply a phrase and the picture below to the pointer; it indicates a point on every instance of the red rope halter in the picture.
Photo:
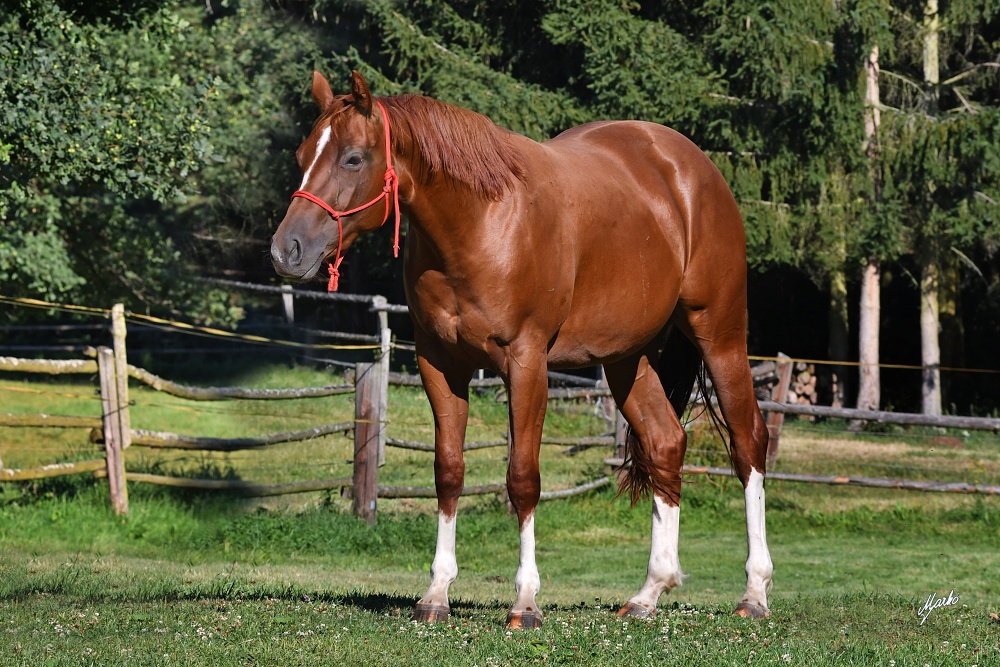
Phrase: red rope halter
(391, 185)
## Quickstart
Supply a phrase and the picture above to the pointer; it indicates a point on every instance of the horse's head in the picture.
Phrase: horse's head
(346, 170)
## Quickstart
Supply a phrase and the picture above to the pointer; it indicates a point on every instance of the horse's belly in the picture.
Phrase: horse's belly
(608, 334)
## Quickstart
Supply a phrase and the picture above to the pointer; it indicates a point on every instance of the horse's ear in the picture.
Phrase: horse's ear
(359, 91)
(321, 91)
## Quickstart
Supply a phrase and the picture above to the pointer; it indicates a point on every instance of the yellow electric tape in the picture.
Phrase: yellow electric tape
(182, 326)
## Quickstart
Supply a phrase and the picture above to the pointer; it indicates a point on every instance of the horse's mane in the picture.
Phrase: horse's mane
(457, 143)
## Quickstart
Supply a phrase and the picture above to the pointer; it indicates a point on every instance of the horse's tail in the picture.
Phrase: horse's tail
(679, 366)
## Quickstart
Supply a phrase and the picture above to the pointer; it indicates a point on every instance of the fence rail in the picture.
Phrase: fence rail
(369, 385)
(222, 393)
(160, 439)
(883, 417)
(54, 421)
(49, 366)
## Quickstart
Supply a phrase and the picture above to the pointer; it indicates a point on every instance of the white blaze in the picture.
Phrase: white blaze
(324, 139)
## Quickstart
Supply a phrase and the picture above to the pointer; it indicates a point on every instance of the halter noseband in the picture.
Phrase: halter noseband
(391, 185)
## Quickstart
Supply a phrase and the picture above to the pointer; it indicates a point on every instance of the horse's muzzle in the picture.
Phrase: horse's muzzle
(288, 259)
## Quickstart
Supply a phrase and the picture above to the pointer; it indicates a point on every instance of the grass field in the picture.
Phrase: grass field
(201, 579)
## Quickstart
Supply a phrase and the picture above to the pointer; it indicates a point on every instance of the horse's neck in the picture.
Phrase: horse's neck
(447, 219)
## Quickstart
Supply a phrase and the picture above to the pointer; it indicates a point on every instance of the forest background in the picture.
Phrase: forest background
(146, 145)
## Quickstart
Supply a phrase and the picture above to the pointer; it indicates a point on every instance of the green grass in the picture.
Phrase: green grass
(374, 630)
(274, 587)
(205, 579)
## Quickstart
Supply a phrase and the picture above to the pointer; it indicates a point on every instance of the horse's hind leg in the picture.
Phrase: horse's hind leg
(656, 459)
(448, 393)
(720, 334)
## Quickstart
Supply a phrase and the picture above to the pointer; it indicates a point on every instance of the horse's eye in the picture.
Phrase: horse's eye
(354, 161)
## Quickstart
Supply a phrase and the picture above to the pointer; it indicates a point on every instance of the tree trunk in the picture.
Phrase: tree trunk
(869, 381)
(837, 323)
(927, 253)
(930, 349)
(932, 26)
(869, 378)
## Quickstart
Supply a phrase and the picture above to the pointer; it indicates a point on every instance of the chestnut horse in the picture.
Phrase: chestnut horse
(615, 243)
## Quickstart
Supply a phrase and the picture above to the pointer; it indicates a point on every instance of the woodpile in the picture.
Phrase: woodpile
(802, 390)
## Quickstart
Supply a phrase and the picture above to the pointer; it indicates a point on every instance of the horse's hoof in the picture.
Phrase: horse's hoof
(430, 613)
(524, 620)
(633, 610)
(751, 610)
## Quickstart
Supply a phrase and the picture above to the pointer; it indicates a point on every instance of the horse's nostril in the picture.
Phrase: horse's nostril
(295, 253)
(276, 259)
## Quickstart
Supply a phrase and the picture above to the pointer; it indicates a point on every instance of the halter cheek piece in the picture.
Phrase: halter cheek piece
(391, 185)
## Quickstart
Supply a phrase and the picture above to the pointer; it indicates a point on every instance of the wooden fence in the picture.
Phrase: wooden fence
(369, 385)
(368, 382)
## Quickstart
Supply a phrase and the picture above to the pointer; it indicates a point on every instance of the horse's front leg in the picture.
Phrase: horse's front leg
(447, 390)
(527, 385)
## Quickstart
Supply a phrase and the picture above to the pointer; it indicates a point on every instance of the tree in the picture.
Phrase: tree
(81, 129)
(940, 152)
(870, 22)
(135, 144)
(869, 376)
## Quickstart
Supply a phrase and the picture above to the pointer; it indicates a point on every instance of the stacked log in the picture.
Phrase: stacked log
(802, 390)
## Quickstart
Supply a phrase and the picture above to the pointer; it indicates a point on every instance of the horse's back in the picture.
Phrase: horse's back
(634, 165)
(632, 139)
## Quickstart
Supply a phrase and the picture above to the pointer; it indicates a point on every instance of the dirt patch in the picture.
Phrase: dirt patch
(799, 446)
(943, 456)
(947, 442)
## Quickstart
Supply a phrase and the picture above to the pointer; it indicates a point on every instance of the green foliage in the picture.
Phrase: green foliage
(940, 148)
(138, 145)
(945, 176)
(446, 56)
(36, 262)
(632, 67)
(86, 110)
(88, 120)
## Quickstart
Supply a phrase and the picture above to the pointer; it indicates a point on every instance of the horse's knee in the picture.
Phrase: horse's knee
(524, 489)
(449, 478)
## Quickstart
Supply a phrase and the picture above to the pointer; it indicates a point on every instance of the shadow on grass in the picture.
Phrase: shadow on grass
(72, 585)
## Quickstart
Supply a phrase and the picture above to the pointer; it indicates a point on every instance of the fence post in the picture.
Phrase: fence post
(368, 422)
(621, 433)
(118, 333)
(110, 409)
(775, 420)
(385, 344)
(613, 415)
(288, 302)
